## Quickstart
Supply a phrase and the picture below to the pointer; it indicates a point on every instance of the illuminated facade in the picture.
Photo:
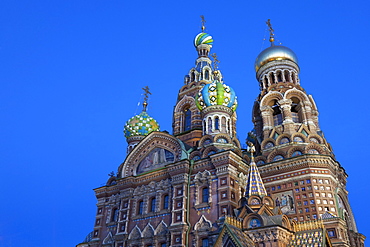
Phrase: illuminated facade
(198, 187)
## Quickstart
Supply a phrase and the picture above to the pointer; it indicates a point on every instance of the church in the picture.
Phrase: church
(199, 186)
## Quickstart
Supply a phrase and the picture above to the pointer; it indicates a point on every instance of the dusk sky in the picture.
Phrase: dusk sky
(71, 74)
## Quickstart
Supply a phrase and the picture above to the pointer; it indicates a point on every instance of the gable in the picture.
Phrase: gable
(155, 151)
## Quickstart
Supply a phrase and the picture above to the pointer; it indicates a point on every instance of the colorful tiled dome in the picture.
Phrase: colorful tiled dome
(203, 38)
(140, 125)
(216, 93)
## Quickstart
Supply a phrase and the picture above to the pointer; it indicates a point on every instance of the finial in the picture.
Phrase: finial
(203, 23)
(146, 96)
(251, 149)
(215, 61)
(272, 39)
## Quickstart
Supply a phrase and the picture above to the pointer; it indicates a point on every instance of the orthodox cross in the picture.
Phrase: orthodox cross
(203, 23)
(271, 30)
(215, 61)
(146, 96)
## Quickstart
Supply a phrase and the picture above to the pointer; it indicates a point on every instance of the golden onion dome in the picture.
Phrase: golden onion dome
(274, 53)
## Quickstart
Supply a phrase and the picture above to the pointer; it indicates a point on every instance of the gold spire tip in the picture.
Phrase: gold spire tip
(272, 39)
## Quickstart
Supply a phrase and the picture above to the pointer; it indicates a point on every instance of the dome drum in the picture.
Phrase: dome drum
(218, 109)
(276, 65)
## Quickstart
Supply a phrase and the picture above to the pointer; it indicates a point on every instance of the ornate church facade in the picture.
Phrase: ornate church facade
(198, 187)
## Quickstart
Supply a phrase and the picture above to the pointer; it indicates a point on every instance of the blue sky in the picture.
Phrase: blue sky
(71, 74)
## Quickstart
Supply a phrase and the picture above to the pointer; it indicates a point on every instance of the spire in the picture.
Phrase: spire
(255, 185)
(272, 39)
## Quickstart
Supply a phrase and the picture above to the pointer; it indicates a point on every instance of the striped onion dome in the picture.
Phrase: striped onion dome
(254, 183)
(203, 38)
(216, 93)
(140, 125)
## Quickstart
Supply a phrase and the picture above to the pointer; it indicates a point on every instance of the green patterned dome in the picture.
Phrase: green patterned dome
(140, 125)
(203, 38)
(216, 93)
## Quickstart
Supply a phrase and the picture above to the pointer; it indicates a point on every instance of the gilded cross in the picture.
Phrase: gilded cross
(203, 23)
(215, 61)
(271, 30)
(146, 96)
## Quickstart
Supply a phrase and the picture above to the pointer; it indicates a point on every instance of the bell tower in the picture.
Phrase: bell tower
(293, 156)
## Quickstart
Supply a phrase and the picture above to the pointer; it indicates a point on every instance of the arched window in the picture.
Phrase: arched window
(279, 76)
(295, 110)
(217, 123)
(209, 125)
(165, 202)
(187, 119)
(192, 76)
(152, 204)
(286, 75)
(140, 210)
(278, 117)
(206, 74)
(205, 194)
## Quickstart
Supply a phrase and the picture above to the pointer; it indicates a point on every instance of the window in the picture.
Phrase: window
(307, 210)
(217, 123)
(187, 122)
(205, 242)
(152, 205)
(178, 216)
(114, 214)
(140, 208)
(179, 192)
(205, 194)
(165, 202)
(308, 181)
(163, 245)
(206, 74)
(223, 181)
(224, 194)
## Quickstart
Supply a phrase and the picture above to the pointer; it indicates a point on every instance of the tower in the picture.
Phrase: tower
(198, 187)
(294, 158)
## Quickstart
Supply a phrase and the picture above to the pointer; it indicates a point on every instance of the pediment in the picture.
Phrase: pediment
(156, 150)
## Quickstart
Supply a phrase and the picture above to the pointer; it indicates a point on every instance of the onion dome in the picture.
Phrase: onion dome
(203, 39)
(216, 93)
(140, 125)
(274, 53)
